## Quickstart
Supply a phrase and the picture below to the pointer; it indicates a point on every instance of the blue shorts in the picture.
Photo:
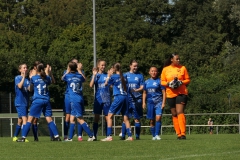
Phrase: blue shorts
(40, 106)
(67, 105)
(119, 104)
(77, 109)
(154, 110)
(22, 111)
(99, 107)
(135, 108)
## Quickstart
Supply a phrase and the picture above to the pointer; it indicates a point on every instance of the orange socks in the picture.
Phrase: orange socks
(182, 123)
(176, 125)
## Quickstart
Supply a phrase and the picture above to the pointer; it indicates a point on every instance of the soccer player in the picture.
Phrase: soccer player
(33, 72)
(175, 78)
(74, 79)
(41, 101)
(67, 108)
(102, 100)
(22, 87)
(135, 86)
(154, 94)
(120, 102)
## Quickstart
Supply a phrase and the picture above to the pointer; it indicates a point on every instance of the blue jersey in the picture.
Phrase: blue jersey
(66, 92)
(40, 87)
(115, 81)
(74, 85)
(154, 89)
(22, 97)
(135, 81)
(102, 93)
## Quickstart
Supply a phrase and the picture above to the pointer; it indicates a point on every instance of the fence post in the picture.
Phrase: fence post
(217, 129)
(189, 130)
(11, 129)
(62, 126)
(102, 124)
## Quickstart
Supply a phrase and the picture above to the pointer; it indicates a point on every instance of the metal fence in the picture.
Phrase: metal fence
(8, 122)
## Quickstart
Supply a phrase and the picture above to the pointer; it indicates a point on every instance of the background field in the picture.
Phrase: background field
(221, 147)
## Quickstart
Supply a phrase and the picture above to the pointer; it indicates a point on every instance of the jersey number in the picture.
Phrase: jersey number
(75, 87)
(41, 89)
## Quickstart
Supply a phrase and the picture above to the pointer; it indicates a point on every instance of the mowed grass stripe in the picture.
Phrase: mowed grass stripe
(225, 146)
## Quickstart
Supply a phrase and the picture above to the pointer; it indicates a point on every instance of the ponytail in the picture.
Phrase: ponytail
(40, 69)
(117, 67)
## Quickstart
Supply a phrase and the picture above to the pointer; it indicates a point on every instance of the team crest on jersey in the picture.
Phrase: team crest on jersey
(154, 84)
(136, 78)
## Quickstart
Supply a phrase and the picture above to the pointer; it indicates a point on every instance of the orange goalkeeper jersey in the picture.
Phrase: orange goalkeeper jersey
(169, 73)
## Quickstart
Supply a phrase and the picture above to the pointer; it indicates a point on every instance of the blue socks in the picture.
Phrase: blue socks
(152, 129)
(138, 129)
(66, 127)
(26, 129)
(87, 129)
(123, 129)
(35, 130)
(157, 127)
(71, 130)
(80, 129)
(53, 128)
(17, 130)
(129, 132)
(109, 131)
(50, 131)
(95, 129)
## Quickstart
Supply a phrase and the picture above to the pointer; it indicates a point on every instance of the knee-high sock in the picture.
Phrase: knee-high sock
(66, 127)
(157, 127)
(80, 129)
(109, 131)
(123, 130)
(71, 130)
(176, 125)
(53, 128)
(138, 128)
(129, 132)
(50, 132)
(17, 130)
(87, 129)
(95, 129)
(26, 129)
(106, 128)
(182, 123)
(35, 130)
(152, 129)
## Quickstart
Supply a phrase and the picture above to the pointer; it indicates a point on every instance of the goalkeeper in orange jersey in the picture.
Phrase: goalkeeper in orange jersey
(175, 78)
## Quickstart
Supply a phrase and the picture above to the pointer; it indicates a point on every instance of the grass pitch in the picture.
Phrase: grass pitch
(197, 147)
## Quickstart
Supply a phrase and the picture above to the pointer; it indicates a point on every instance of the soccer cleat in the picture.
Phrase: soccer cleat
(22, 140)
(68, 140)
(153, 138)
(65, 137)
(109, 138)
(15, 139)
(51, 139)
(129, 139)
(80, 139)
(183, 137)
(36, 139)
(157, 137)
(137, 138)
(179, 138)
(120, 134)
(122, 138)
(57, 139)
(91, 139)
